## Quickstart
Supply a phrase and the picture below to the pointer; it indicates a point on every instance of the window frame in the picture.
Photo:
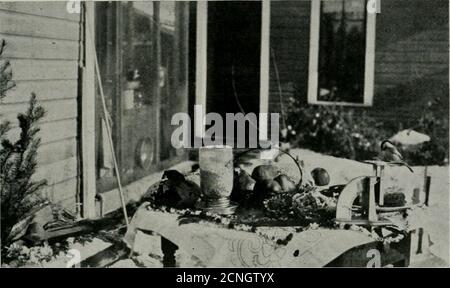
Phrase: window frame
(91, 187)
(201, 67)
(369, 68)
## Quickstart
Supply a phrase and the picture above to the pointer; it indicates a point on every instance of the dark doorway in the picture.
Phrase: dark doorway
(234, 44)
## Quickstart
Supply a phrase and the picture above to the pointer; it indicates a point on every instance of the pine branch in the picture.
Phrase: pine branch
(4, 128)
(18, 166)
(18, 191)
(5, 72)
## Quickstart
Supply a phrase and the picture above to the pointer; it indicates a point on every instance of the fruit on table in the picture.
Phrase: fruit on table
(273, 187)
(243, 186)
(264, 173)
(287, 185)
(266, 188)
(320, 176)
(245, 181)
(183, 192)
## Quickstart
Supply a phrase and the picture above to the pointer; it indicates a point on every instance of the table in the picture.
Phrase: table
(217, 246)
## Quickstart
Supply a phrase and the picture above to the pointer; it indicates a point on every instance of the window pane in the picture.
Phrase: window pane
(173, 69)
(342, 51)
(142, 49)
(139, 93)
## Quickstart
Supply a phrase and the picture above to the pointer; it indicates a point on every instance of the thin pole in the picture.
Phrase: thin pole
(108, 127)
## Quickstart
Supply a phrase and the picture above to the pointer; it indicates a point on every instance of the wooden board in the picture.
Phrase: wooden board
(33, 69)
(56, 151)
(70, 204)
(28, 47)
(30, 25)
(415, 69)
(77, 228)
(107, 256)
(423, 57)
(58, 171)
(416, 46)
(54, 110)
(51, 131)
(45, 90)
(50, 9)
(62, 191)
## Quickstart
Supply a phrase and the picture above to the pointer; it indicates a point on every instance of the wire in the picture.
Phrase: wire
(280, 91)
(236, 97)
(233, 84)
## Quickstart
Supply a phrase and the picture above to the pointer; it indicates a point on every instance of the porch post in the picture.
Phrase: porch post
(313, 51)
(201, 64)
(88, 115)
(264, 71)
(369, 69)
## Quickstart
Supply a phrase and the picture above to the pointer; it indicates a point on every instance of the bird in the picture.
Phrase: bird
(389, 153)
(188, 191)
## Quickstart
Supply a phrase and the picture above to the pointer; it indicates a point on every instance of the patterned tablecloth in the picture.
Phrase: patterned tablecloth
(217, 246)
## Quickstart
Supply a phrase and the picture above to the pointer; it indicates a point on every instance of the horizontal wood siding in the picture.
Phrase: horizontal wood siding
(419, 50)
(50, 91)
(55, 110)
(28, 47)
(38, 26)
(43, 46)
(411, 59)
(289, 43)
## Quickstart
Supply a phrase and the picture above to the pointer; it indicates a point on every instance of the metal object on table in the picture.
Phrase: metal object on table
(363, 187)
(378, 169)
(216, 178)
(370, 189)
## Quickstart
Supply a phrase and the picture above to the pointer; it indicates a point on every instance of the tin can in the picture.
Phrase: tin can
(216, 173)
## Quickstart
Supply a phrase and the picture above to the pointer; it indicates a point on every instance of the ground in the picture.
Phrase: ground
(436, 222)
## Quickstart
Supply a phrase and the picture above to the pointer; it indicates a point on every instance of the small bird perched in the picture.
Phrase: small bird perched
(185, 191)
(389, 153)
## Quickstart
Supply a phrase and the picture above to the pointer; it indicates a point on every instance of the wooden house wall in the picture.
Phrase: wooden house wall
(289, 45)
(43, 46)
(411, 56)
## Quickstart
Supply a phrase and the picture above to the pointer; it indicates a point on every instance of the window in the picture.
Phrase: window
(221, 66)
(142, 48)
(341, 57)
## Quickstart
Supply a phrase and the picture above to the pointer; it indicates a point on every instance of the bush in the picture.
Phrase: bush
(338, 131)
(334, 130)
(434, 152)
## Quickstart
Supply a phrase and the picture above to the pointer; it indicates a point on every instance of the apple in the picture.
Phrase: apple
(320, 176)
(287, 185)
(264, 173)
